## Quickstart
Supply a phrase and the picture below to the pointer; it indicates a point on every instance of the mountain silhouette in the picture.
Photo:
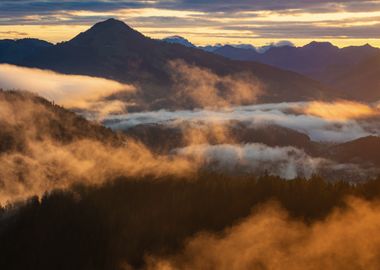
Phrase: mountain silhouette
(16, 50)
(242, 54)
(50, 120)
(179, 40)
(113, 50)
(360, 151)
(360, 81)
(351, 70)
(108, 33)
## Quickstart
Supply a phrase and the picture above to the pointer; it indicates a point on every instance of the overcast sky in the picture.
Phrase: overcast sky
(258, 22)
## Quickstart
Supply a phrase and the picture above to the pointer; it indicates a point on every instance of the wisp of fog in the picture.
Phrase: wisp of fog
(71, 91)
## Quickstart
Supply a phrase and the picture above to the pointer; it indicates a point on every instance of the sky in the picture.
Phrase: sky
(203, 22)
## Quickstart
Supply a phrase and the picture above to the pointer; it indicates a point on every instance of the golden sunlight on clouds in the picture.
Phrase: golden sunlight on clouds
(51, 33)
(340, 111)
(199, 36)
(271, 239)
(141, 12)
(308, 17)
(206, 28)
(71, 91)
(151, 12)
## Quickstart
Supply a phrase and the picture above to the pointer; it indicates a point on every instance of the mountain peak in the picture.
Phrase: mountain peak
(107, 32)
(316, 44)
(111, 23)
(367, 45)
(179, 40)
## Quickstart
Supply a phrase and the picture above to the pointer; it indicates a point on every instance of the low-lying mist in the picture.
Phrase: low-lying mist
(37, 157)
(44, 162)
(44, 147)
(286, 162)
(324, 122)
(71, 91)
(270, 239)
(199, 187)
(203, 88)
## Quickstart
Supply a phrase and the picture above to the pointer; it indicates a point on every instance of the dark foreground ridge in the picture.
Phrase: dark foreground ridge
(125, 220)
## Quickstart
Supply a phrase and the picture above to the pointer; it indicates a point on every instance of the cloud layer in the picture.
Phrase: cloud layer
(44, 149)
(340, 111)
(204, 88)
(286, 162)
(313, 119)
(254, 20)
(70, 91)
(270, 239)
(36, 158)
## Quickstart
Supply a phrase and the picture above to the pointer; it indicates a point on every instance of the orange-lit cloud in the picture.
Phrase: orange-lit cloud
(203, 22)
(39, 156)
(70, 91)
(341, 110)
(270, 239)
(204, 88)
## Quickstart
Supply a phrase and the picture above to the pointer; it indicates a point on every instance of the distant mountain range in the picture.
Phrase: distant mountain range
(353, 71)
(113, 50)
(212, 48)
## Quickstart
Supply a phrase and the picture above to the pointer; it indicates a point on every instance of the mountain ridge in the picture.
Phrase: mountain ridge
(349, 70)
(113, 50)
(179, 40)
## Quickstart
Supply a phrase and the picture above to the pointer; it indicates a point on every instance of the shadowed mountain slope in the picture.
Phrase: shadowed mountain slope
(14, 51)
(26, 117)
(361, 81)
(113, 50)
(364, 150)
(352, 70)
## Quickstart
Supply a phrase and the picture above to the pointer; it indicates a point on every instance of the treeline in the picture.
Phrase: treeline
(31, 117)
(121, 222)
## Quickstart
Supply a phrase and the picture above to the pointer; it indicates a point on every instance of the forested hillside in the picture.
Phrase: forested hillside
(123, 222)
(25, 116)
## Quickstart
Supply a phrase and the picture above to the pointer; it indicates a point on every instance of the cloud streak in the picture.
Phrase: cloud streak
(295, 116)
(341, 110)
(208, 5)
(70, 91)
(270, 239)
(48, 165)
(225, 21)
(43, 148)
(286, 162)
(204, 88)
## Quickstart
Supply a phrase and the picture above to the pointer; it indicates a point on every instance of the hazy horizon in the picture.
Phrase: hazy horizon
(257, 22)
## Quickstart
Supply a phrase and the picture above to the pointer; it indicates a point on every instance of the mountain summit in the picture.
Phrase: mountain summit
(108, 33)
(179, 40)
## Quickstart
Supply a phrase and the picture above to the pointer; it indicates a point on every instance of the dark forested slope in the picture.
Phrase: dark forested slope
(25, 116)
